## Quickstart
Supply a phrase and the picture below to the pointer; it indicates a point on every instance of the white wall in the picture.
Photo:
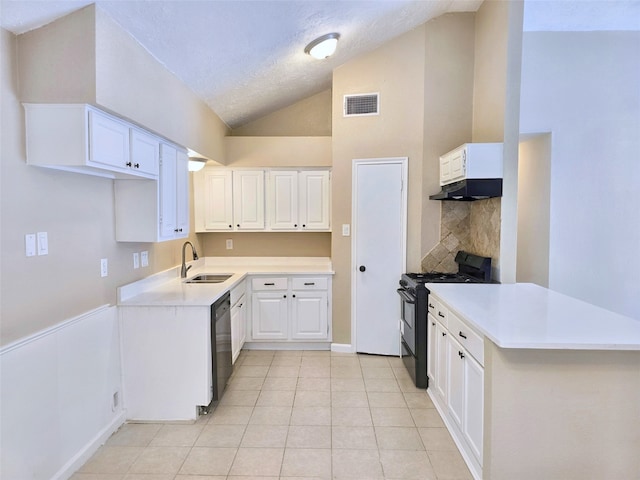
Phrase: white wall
(583, 87)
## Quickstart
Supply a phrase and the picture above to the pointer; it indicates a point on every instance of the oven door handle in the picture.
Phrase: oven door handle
(405, 296)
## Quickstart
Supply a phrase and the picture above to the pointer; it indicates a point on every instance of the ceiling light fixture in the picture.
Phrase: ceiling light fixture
(323, 47)
(196, 163)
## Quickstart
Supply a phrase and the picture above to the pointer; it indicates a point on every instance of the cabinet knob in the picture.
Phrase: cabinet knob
(238, 225)
(293, 296)
(136, 165)
(433, 324)
(444, 334)
(284, 296)
(304, 225)
(295, 225)
(230, 226)
(128, 164)
(362, 268)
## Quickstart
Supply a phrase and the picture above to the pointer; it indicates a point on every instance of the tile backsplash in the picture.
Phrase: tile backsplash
(469, 226)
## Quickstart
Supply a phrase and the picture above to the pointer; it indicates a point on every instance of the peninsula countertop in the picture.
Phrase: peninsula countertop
(525, 315)
(168, 289)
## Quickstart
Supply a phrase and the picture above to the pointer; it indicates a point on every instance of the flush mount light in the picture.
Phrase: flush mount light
(323, 47)
(196, 163)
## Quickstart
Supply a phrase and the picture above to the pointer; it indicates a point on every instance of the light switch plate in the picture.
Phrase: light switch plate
(43, 243)
(144, 259)
(136, 260)
(30, 244)
(104, 267)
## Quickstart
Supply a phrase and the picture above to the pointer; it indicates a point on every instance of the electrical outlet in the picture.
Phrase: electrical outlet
(229, 244)
(104, 267)
(346, 230)
(136, 260)
(144, 259)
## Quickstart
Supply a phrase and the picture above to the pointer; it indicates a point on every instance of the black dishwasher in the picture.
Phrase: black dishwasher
(221, 361)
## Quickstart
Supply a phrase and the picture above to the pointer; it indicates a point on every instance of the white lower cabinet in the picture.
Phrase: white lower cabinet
(290, 308)
(457, 381)
(238, 320)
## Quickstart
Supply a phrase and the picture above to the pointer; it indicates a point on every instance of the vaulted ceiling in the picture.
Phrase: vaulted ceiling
(245, 58)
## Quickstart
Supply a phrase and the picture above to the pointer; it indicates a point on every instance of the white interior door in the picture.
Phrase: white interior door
(379, 253)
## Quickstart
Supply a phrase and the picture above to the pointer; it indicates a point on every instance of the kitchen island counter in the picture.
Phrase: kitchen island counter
(525, 315)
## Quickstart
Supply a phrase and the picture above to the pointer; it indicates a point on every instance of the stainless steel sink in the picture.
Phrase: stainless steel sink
(209, 278)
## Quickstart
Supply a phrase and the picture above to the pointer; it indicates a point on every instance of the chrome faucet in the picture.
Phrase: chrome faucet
(184, 269)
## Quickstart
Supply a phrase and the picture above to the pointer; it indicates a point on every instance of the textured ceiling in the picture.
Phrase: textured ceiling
(245, 58)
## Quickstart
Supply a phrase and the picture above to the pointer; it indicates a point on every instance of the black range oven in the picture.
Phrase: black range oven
(414, 298)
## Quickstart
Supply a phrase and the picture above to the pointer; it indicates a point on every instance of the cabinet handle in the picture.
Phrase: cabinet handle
(462, 335)
(136, 165)
(128, 164)
(440, 314)
(309, 283)
(460, 354)
(271, 284)
(432, 306)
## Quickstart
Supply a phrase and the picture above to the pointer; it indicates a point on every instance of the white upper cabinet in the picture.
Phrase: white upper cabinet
(155, 211)
(248, 199)
(471, 160)
(298, 200)
(80, 138)
(282, 200)
(262, 200)
(145, 150)
(314, 200)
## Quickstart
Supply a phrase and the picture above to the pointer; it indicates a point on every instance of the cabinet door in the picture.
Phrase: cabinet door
(309, 319)
(431, 350)
(182, 194)
(242, 323)
(269, 316)
(248, 199)
(472, 424)
(455, 381)
(314, 200)
(283, 200)
(218, 199)
(235, 334)
(441, 363)
(145, 152)
(458, 164)
(108, 141)
(445, 169)
(168, 191)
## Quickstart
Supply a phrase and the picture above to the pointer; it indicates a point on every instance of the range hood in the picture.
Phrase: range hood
(470, 189)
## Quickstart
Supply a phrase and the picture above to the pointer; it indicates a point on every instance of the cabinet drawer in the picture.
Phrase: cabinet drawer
(440, 312)
(237, 292)
(275, 283)
(309, 283)
(468, 338)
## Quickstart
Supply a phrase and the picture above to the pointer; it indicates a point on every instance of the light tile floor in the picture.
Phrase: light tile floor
(295, 414)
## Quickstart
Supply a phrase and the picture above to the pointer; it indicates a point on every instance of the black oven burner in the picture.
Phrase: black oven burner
(414, 295)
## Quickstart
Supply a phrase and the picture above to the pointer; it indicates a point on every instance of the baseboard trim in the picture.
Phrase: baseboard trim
(80, 458)
(287, 346)
(342, 348)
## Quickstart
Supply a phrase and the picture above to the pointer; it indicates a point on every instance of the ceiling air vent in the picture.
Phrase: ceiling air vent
(362, 104)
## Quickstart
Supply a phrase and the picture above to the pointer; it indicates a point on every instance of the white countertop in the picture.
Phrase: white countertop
(168, 289)
(525, 315)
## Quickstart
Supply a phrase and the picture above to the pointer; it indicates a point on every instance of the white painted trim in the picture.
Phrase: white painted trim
(287, 345)
(343, 347)
(404, 162)
(49, 330)
(82, 456)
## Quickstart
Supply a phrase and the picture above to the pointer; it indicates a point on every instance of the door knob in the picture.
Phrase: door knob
(362, 268)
